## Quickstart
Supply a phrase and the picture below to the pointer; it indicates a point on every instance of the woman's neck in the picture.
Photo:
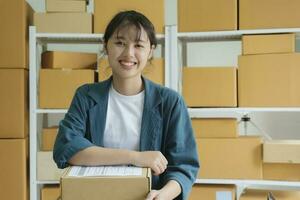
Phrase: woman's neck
(128, 87)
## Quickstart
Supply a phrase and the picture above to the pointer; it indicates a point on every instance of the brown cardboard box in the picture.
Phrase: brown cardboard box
(106, 187)
(269, 80)
(48, 138)
(13, 103)
(207, 15)
(230, 158)
(46, 167)
(215, 127)
(62, 85)
(263, 195)
(65, 6)
(281, 151)
(13, 173)
(15, 18)
(105, 10)
(257, 14)
(212, 192)
(50, 192)
(210, 86)
(281, 171)
(63, 22)
(68, 60)
(272, 43)
(153, 71)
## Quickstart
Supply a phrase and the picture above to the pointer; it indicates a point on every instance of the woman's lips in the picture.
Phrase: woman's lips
(127, 64)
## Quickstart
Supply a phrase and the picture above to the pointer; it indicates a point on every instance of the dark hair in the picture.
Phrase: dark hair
(127, 18)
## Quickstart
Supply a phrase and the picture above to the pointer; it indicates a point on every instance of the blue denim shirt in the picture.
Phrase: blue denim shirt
(166, 127)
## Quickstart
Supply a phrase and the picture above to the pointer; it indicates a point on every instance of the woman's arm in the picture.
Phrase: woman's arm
(170, 191)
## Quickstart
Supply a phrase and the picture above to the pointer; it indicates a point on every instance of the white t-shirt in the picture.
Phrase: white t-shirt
(123, 120)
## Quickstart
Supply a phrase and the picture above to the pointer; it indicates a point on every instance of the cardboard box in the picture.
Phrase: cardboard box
(63, 22)
(230, 158)
(269, 80)
(69, 60)
(15, 18)
(48, 138)
(257, 14)
(105, 10)
(215, 127)
(281, 171)
(213, 192)
(155, 71)
(14, 103)
(107, 187)
(272, 43)
(281, 151)
(14, 167)
(57, 87)
(263, 195)
(46, 167)
(210, 86)
(207, 15)
(65, 6)
(50, 192)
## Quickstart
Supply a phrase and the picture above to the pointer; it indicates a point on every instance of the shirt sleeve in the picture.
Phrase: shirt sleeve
(70, 138)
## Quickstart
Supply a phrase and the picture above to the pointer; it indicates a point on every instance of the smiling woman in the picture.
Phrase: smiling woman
(128, 119)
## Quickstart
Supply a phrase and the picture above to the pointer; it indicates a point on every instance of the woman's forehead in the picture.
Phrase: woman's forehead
(131, 32)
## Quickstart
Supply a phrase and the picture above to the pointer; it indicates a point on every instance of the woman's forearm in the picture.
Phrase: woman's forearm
(171, 190)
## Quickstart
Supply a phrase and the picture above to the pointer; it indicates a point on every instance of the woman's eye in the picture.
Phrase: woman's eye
(139, 46)
(120, 43)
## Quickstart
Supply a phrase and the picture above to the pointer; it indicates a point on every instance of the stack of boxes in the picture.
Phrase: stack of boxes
(15, 17)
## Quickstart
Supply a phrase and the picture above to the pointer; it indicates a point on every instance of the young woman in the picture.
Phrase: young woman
(128, 119)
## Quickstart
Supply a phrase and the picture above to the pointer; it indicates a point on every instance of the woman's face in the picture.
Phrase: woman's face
(127, 56)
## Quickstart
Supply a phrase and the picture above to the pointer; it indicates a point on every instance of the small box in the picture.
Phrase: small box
(46, 167)
(210, 86)
(106, 186)
(213, 192)
(269, 80)
(251, 194)
(14, 169)
(272, 43)
(14, 112)
(230, 158)
(105, 10)
(50, 192)
(69, 60)
(154, 71)
(207, 15)
(63, 22)
(281, 171)
(65, 6)
(62, 85)
(257, 14)
(48, 138)
(215, 127)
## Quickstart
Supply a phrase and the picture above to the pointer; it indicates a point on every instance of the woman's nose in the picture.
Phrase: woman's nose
(128, 50)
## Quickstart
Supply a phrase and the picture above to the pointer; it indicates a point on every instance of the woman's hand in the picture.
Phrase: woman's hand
(153, 159)
(170, 191)
(156, 195)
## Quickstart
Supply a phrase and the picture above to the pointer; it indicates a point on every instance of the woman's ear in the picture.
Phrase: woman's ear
(151, 52)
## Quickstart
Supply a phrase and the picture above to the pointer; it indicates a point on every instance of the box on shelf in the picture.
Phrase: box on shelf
(230, 158)
(57, 87)
(46, 167)
(15, 18)
(105, 10)
(257, 14)
(281, 151)
(213, 192)
(210, 86)
(281, 171)
(154, 71)
(13, 173)
(269, 80)
(14, 103)
(65, 6)
(207, 15)
(132, 187)
(68, 60)
(215, 127)
(271, 43)
(251, 194)
(63, 22)
(48, 138)
(50, 192)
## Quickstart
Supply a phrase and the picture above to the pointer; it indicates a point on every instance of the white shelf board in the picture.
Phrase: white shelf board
(234, 34)
(47, 182)
(54, 111)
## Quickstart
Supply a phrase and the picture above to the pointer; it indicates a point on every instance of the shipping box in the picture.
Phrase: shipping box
(251, 194)
(65, 6)
(213, 192)
(50, 192)
(48, 138)
(281, 171)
